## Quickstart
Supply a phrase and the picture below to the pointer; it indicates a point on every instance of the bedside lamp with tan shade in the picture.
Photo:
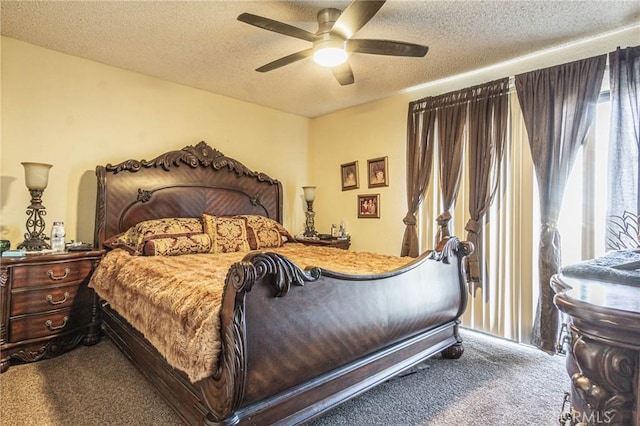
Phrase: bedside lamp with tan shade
(36, 177)
(309, 197)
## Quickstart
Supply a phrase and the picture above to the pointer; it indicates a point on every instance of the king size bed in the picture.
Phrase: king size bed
(232, 319)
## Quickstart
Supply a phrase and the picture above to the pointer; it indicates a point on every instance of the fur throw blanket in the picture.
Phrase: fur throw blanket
(174, 301)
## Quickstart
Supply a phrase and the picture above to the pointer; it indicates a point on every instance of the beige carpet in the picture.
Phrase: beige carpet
(91, 385)
(496, 383)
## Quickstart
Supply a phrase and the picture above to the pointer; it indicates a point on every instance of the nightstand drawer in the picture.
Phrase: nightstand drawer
(50, 273)
(46, 324)
(46, 299)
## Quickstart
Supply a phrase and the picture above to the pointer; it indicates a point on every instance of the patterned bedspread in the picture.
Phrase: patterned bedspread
(174, 301)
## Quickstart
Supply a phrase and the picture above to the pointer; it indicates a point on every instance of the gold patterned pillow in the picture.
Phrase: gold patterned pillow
(227, 234)
(263, 232)
(134, 238)
(176, 246)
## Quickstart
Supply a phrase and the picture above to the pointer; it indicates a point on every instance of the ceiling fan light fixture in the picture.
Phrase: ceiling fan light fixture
(330, 53)
(333, 42)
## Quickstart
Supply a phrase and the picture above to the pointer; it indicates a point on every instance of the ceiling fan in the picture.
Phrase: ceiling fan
(333, 41)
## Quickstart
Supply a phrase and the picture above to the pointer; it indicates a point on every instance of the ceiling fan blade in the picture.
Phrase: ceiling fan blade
(343, 74)
(294, 57)
(355, 16)
(277, 27)
(386, 47)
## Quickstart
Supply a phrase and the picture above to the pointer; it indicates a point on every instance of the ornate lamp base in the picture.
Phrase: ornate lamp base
(309, 228)
(34, 239)
(34, 244)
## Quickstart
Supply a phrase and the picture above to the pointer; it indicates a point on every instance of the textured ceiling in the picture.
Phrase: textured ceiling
(201, 43)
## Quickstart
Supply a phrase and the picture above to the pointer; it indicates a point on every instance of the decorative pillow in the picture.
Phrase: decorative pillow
(227, 234)
(263, 232)
(175, 246)
(134, 238)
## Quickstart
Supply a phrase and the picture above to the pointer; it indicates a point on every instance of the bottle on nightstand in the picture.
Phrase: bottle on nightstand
(57, 236)
(342, 233)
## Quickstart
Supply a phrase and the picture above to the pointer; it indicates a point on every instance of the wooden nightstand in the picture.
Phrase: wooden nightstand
(334, 242)
(46, 307)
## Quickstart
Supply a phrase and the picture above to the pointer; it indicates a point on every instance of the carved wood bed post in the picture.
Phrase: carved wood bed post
(223, 392)
(462, 249)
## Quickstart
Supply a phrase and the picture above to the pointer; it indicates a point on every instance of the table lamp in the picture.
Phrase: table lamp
(36, 176)
(309, 197)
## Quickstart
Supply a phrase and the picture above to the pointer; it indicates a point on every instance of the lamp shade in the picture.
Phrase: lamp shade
(36, 175)
(309, 193)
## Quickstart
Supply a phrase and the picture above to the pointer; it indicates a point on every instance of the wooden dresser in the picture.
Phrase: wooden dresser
(46, 307)
(604, 349)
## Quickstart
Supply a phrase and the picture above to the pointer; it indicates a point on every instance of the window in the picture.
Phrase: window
(506, 304)
(582, 219)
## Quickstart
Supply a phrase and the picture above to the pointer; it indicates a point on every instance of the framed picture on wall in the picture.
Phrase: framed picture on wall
(369, 206)
(349, 175)
(378, 172)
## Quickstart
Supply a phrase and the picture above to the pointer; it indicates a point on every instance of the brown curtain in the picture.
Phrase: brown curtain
(488, 115)
(558, 106)
(420, 141)
(451, 120)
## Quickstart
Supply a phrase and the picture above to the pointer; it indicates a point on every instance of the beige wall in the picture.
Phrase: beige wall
(76, 114)
(359, 134)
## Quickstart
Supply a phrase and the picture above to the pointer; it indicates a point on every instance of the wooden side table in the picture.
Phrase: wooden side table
(341, 243)
(604, 349)
(46, 307)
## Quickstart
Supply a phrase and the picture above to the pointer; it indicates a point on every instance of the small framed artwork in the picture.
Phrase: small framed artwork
(369, 206)
(378, 172)
(349, 175)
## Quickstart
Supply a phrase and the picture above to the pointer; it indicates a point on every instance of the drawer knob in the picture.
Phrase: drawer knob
(58, 278)
(50, 326)
(58, 302)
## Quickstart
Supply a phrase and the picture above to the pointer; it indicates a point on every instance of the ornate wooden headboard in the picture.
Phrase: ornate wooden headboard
(181, 183)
